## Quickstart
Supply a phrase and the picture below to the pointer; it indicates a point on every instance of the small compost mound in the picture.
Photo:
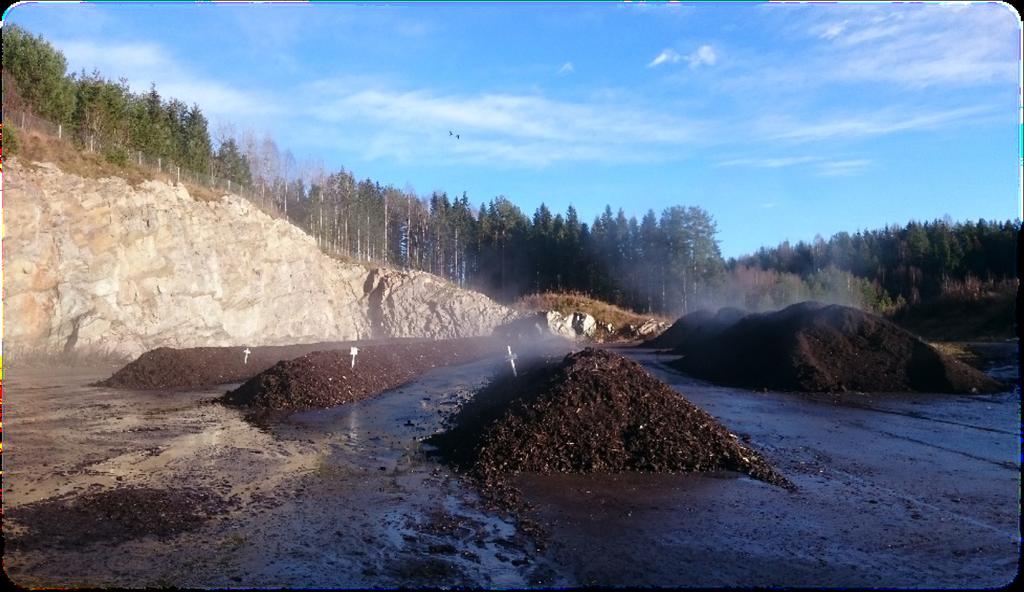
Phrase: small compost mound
(114, 515)
(166, 368)
(817, 348)
(595, 411)
(328, 378)
(696, 327)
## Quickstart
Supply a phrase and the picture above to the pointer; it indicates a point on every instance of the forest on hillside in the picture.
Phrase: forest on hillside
(667, 262)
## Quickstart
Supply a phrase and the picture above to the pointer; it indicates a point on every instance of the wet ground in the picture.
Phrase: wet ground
(896, 490)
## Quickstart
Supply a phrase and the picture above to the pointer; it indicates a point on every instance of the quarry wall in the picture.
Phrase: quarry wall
(96, 265)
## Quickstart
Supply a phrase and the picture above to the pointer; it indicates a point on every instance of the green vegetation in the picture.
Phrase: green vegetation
(9, 142)
(916, 262)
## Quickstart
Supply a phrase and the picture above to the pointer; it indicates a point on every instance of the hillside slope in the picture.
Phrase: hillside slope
(96, 265)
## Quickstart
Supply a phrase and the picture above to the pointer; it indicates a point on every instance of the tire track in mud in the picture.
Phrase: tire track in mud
(999, 463)
(909, 501)
(915, 415)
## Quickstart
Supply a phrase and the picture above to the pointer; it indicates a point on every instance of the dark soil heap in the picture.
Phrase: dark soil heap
(327, 378)
(196, 367)
(115, 515)
(813, 347)
(594, 412)
(696, 327)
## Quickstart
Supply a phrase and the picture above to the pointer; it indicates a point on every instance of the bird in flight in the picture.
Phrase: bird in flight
(451, 133)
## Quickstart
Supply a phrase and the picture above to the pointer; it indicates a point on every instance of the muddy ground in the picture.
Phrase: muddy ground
(908, 490)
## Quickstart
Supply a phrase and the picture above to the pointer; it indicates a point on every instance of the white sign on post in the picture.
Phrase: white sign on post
(246, 352)
(354, 352)
(512, 360)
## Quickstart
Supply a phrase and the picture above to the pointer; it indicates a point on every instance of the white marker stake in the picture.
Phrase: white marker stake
(246, 352)
(354, 352)
(512, 360)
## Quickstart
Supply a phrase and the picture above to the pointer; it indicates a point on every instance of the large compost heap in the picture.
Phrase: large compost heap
(329, 378)
(696, 326)
(196, 367)
(822, 348)
(594, 411)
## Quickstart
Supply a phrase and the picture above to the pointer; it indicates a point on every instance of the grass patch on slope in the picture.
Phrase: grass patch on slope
(603, 312)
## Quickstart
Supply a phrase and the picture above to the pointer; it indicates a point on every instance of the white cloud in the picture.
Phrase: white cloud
(566, 68)
(702, 56)
(666, 56)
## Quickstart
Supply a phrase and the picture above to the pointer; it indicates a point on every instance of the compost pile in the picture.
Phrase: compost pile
(595, 411)
(115, 515)
(817, 348)
(328, 378)
(197, 367)
(696, 328)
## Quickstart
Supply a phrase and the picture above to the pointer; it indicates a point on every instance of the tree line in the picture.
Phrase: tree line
(667, 262)
(912, 263)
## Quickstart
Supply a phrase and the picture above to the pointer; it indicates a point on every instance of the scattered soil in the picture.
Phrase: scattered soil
(115, 515)
(817, 348)
(592, 412)
(696, 327)
(327, 378)
(199, 367)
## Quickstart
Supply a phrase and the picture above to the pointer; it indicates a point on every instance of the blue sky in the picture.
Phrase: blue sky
(782, 120)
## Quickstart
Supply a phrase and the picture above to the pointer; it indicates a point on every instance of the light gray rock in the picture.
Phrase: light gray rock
(417, 304)
(650, 328)
(101, 266)
(575, 326)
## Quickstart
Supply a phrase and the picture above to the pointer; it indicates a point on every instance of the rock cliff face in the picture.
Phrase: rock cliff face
(97, 265)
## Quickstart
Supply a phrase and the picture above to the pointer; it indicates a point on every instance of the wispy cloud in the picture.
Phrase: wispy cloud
(702, 56)
(819, 165)
(124, 57)
(667, 56)
(835, 168)
(883, 122)
(921, 46)
(142, 63)
(770, 163)
(566, 68)
(510, 129)
(905, 47)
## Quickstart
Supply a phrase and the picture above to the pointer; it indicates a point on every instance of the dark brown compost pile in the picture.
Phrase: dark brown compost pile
(826, 348)
(696, 327)
(595, 411)
(197, 367)
(327, 378)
